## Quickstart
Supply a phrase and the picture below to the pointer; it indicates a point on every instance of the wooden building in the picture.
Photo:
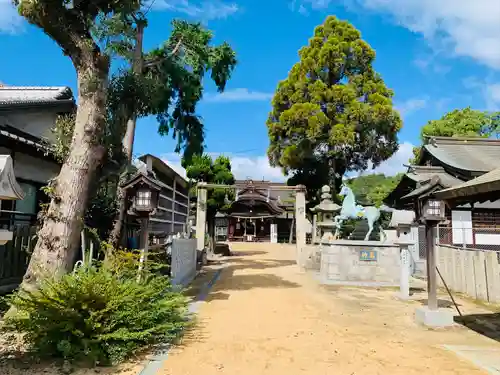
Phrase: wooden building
(27, 115)
(171, 217)
(260, 212)
(444, 163)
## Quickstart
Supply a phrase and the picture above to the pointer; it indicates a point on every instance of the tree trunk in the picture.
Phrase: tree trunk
(116, 237)
(59, 237)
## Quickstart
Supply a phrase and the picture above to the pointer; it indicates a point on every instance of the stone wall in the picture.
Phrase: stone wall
(370, 263)
(183, 267)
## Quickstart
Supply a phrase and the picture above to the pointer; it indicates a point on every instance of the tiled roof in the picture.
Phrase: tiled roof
(467, 154)
(486, 183)
(422, 174)
(25, 95)
(286, 197)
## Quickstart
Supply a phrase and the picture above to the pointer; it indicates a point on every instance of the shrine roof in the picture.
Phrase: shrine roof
(466, 154)
(487, 183)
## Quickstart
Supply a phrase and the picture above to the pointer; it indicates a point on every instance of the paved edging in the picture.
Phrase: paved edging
(154, 364)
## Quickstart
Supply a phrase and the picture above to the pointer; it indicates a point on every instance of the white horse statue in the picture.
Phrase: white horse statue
(351, 210)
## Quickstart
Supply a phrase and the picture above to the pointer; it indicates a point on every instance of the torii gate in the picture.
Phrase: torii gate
(300, 212)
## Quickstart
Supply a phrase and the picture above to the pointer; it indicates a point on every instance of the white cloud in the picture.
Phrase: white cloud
(205, 10)
(487, 88)
(243, 167)
(411, 105)
(258, 168)
(10, 21)
(467, 28)
(238, 95)
(395, 164)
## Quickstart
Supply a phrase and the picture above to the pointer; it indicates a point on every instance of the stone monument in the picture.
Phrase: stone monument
(365, 263)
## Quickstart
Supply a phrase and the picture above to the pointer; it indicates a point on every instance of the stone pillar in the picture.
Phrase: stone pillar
(314, 229)
(404, 286)
(201, 215)
(300, 220)
(404, 241)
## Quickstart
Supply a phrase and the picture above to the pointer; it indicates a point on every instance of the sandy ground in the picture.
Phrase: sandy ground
(265, 317)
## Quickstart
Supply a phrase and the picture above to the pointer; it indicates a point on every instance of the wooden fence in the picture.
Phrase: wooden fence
(14, 257)
(475, 273)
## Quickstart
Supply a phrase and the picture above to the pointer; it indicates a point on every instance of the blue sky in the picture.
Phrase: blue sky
(435, 55)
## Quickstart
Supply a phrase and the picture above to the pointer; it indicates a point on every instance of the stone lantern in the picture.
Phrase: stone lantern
(327, 208)
(144, 193)
(431, 211)
(9, 190)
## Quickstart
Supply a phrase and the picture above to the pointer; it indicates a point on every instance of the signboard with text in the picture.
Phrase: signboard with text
(368, 255)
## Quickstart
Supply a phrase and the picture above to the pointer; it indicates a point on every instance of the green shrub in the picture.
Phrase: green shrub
(98, 314)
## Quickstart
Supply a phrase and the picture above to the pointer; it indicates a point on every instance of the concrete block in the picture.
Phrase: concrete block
(439, 318)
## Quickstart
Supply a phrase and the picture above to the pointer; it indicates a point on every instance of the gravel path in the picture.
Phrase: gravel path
(265, 317)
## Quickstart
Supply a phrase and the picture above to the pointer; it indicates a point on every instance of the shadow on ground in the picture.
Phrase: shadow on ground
(442, 303)
(485, 324)
(233, 279)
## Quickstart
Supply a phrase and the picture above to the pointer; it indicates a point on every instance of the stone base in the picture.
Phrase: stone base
(434, 318)
(402, 296)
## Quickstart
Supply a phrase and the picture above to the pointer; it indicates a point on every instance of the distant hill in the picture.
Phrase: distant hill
(371, 189)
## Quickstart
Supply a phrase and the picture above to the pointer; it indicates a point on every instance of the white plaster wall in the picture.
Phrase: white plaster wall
(37, 123)
(30, 168)
(487, 239)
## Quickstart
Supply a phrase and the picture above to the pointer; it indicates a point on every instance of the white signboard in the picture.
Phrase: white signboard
(274, 233)
(461, 223)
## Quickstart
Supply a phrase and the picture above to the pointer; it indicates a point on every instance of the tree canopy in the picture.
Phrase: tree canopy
(371, 189)
(464, 122)
(333, 112)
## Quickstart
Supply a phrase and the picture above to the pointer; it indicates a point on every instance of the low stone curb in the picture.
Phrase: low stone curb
(154, 364)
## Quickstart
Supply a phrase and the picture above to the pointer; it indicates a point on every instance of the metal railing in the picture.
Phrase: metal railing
(475, 237)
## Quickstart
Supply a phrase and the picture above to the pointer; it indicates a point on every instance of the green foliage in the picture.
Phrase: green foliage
(218, 171)
(333, 113)
(171, 83)
(464, 122)
(101, 315)
(371, 189)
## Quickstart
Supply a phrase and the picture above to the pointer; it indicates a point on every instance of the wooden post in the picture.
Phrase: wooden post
(432, 301)
(144, 245)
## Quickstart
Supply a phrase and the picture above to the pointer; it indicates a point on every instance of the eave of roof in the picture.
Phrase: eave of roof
(29, 96)
(478, 155)
(488, 183)
(164, 167)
